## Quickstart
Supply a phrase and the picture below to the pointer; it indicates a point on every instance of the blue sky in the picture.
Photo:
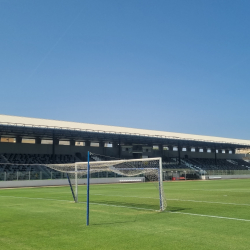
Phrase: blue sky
(178, 66)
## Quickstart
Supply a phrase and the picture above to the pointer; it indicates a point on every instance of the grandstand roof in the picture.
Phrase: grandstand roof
(22, 126)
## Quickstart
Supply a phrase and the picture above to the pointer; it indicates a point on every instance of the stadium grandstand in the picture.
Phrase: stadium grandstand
(27, 143)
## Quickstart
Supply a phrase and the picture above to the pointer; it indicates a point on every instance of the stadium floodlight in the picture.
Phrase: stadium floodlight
(151, 168)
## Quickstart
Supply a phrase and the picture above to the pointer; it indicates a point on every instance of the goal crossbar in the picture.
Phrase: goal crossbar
(148, 163)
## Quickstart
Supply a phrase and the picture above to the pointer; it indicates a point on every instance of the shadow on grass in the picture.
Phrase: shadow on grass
(114, 222)
(175, 209)
(122, 204)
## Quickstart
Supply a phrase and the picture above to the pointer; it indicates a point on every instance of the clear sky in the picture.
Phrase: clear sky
(178, 66)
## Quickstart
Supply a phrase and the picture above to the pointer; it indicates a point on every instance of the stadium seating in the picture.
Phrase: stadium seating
(242, 163)
(220, 164)
(38, 158)
(206, 164)
(30, 166)
(173, 166)
(19, 170)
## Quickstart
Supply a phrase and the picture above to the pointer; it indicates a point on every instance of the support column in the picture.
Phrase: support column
(72, 142)
(18, 139)
(227, 151)
(87, 143)
(220, 151)
(120, 148)
(179, 154)
(55, 142)
(197, 150)
(213, 150)
(161, 150)
(102, 145)
(115, 147)
(38, 140)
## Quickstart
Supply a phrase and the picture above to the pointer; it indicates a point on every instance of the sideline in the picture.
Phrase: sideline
(140, 197)
(210, 216)
(92, 203)
(146, 209)
(211, 202)
(33, 198)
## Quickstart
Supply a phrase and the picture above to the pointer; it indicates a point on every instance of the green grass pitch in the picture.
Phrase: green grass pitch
(200, 215)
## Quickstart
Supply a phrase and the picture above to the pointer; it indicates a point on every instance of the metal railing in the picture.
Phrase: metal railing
(195, 174)
(41, 175)
(227, 172)
(167, 174)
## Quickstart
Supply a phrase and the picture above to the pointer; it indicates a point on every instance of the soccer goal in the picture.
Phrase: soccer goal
(149, 168)
(149, 196)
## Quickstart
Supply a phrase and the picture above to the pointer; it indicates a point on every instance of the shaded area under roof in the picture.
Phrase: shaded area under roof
(33, 127)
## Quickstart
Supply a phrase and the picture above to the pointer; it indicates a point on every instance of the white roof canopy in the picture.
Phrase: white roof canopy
(34, 122)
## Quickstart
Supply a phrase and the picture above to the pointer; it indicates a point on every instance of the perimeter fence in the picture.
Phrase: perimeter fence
(184, 174)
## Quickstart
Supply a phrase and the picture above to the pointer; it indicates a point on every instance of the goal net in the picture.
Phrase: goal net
(149, 194)
(149, 168)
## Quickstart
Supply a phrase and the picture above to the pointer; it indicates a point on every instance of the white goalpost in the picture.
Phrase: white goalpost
(150, 168)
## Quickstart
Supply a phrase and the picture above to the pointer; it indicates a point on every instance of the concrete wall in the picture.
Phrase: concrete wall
(168, 153)
(26, 148)
(240, 176)
(37, 183)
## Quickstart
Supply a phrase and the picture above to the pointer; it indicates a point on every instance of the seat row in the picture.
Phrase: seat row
(27, 162)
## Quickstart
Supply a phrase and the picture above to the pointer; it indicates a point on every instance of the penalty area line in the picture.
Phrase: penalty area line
(91, 203)
(210, 216)
(112, 205)
(33, 198)
(211, 202)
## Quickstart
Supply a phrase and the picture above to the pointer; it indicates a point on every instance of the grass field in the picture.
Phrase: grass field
(200, 215)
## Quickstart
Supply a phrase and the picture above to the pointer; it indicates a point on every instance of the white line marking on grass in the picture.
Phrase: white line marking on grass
(33, 198)
(223, 190)
(111, 205)
(146, 209)
(91, 203)
(140, 197)
(210, 216)
(212, 202)
(127, 196)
